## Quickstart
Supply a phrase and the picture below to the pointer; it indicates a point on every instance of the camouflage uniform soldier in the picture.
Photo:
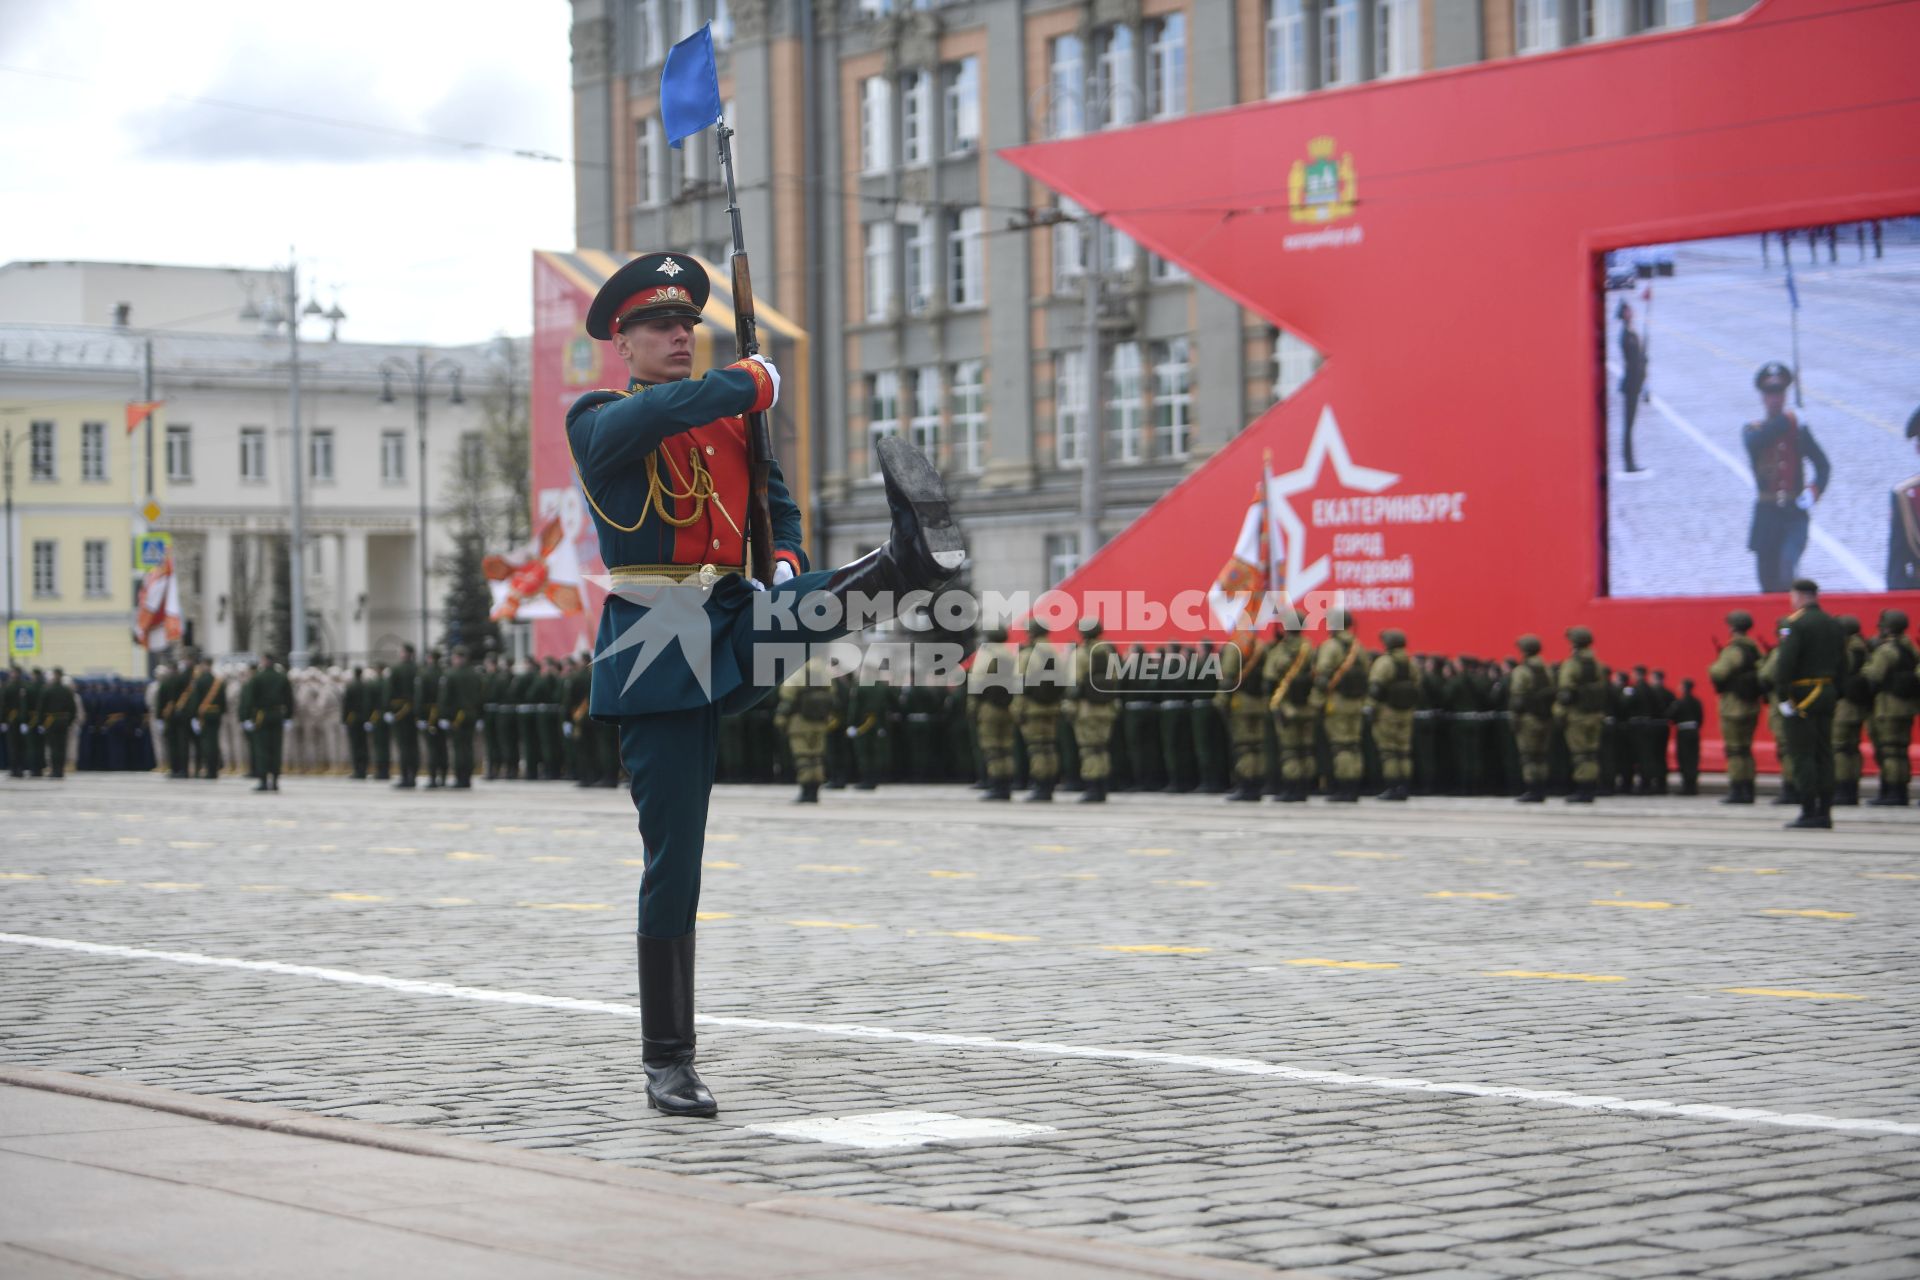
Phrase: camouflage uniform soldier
(1340, 676)
(1242, 703)
(1044, 668)
(1896, 700)
(1777, 723)
(990, 685)
(1582, 703)
(1530, 699)
(1393, 693)
(1850, 714)
(1294, 704)
(1094, 711)
(1736, 678)
(806, 717)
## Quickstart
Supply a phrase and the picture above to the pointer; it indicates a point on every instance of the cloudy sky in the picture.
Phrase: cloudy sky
(114, 148)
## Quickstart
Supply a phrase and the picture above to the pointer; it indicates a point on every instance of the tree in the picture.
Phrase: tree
(468, 602)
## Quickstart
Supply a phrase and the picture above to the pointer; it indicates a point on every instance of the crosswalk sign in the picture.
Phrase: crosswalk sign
(23, 638)
(150, 551)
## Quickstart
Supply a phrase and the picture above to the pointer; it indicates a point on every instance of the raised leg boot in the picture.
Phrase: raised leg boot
(666, 1027)
(923, 548)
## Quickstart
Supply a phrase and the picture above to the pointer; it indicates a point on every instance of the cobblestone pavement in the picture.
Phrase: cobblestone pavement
(1262, 1033)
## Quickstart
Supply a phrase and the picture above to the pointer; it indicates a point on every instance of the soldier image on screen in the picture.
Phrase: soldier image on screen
(1903, 538)
(1779, 447)
(1633, 380)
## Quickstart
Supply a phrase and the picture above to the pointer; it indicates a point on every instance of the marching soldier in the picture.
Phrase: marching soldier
(1779, 447)
(268, 699)
(433, 723)
(1393, 693)
(806, 717)
(1340, 678)
(1581, 698)
(1903, 537)
(1095, 710)
(1850, 714)
(1736, 678)
(1294, 705)
(355, 708)
(462, 704)
(1036, 711)
(378, 728)
(1811, 658)
(1242, 703)
(1891, 672)
(177, 715)
(1530, 701)
(1777, 722)
(403, 688)
(1685, 715)
(56, 719)
(990, 689)
(206, 703)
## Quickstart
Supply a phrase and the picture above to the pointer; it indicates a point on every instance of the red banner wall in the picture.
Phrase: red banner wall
(1451, 286)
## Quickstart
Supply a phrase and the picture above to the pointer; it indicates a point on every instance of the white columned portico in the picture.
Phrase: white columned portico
(356, 612)
(216, 591)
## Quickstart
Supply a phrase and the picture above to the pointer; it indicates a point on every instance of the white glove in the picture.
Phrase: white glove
(445, 725)
(773, 373)
(1788, 710)
(246, 726)
(479, 724)
(852, 732)
(286, 724)
(195, 722)
(421, 725)
(566, 731)
(782, 572)
(388, 717)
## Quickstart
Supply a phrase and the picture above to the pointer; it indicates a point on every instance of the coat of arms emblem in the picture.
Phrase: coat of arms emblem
(1319, 189)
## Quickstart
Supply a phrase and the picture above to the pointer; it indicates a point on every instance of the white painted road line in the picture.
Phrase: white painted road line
(890, 1130)
(1039, 1048)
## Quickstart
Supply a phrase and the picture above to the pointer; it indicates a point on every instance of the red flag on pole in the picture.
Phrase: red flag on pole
(138, 411)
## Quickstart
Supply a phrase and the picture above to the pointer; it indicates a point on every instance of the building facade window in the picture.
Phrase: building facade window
(883, 413)
(923, 428)
(966, 283)
(473, 455)
(93, 451)
(918, 261)
(650, 163)
(393, 457)
(1340, 43)
(1126, 404)
(1668, 14)
(40, 452)
(94, 568)
(1167, 66)
(1536, 25)
(686, 19)
(1063, 557)
(46, 567)
(179, 452)
(1069, 248)
(879, 269)
(968, 403)
(916, 117)
(1294, 361)
(1066, 86)
(960, 130)
(1603, 19)
(1173, 397)
(1286, 48)
(876, 125)
(649, 44)
(1396, 38)
(320, 455)
(1069, 407)
(1112, 91)
(1118, 251)
(692, 161)
(1165, 272)
(722, 26)
(253, 454)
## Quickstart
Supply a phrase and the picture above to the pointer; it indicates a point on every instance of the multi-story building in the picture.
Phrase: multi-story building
(944, 291)
(221, 461)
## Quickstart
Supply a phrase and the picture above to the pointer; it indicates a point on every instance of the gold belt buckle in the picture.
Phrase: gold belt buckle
(708, 575)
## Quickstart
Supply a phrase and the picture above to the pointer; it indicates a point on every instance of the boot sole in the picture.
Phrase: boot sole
(654, 1104)
(911, 481)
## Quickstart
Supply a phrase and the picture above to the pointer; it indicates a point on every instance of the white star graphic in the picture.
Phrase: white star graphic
(670, 268)
(673, 613)
(1327, 444)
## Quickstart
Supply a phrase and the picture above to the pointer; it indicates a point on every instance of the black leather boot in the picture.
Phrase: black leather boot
(1095, 791)
(1042, 790)
(923, 547)
(1891, 795)
(666, 1027)
(998, 789)
(809, 793)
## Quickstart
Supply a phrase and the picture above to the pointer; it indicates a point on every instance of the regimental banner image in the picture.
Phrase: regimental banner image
(1760, 392)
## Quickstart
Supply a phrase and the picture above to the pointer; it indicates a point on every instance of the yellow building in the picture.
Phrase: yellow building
(79, 479)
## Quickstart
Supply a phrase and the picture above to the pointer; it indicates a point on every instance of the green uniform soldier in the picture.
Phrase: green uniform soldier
(869, 728)
(1340, 677)
(1581, 705)
(1095, 710)
(1140, 725)
(207, 704)
(490, 715)
(435, 725)
(1176, 723)
(378, 730)
(1685, 715)
(806, 717)
(269, 703)
(1530, 701)
(1207, 725)
(1393, 694)
(462, 704)
(56, 721)
(1467, 693)
(922, 731)
(355, 703)
(512, 685)
(1293, 702)
(1044, 671)
(1850, 714)
(533, 744)
(990, 689)
(1891, 673)
(553, 716)
(13, 721)
(1735, 675)
(401, 715)
(1809, 663)
(1242, 703)
(177, 717)
(589, 766)
(839, 746)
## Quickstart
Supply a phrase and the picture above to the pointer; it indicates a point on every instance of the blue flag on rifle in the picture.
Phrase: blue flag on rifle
(690, 87)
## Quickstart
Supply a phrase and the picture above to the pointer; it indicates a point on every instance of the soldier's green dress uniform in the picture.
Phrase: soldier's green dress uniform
(512, 691)
(1095, 710)
(1891, 671)
(1212, 745)
(1045, 670)
(56, 721)
(1850, 714)
(1242, 703)
(207, 704)
(1780, 447)
(177, 717)
(584, 736)
(991, 681)
(920, 727)
(402, 715)
(378, 730)
(1294, 702)
(1686, 714)
(433, 721)
(1393, 695)
(1810, 661)
(269, 705)
(1140, 726)
(1581, 704)
(807, 716)
(1176, 720)
(356, 704)
(1735, 675)
(1467, 694)
(13, 721)
(1530, 702)
(559, 757)
(1340, 675)
(462, 704)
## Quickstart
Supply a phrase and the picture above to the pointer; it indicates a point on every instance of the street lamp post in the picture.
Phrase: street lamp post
(7, 444)
(419, 374)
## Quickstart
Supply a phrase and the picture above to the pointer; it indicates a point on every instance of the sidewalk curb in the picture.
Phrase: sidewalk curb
(1120, 1258)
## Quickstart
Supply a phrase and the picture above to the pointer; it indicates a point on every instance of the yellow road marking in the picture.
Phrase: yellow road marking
(828, 924)
(1791, 994)
(465, 855)
(831, 868)
(391, 848)
(22, 875)
(326, 848)
(512, 831)
(124, 817)
(1747, 871)
(1373, 854)
(1637, 906)
(713, 915)
(453, 902)
(356, 897)
(802, 839)
(953, 875)
(1563, 977)
(877, 840)
(130, 839)
(453, 826)
(1325, 888)
(1052, 848)
(1153, 853)
(567, 906)
(641, 862)
(1890, 875)
(720, 863)
(985, 936)
(192, 844)
(1345, 964)
(169, 884)
(1157, 949)
(1809, 912)
(1187, 884)
(1080, 875)
(263, 888)
(1519, 862)
(550, 857)
(1599, 865)
(1479, 895)
(96, 880)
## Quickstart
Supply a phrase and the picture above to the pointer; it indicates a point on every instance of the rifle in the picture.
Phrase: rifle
(746, 343)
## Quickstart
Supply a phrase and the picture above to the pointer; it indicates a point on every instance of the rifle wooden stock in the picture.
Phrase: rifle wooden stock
(759, 435)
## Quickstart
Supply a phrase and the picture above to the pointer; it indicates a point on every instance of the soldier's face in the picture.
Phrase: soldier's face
(1775, 402)
(657, 350)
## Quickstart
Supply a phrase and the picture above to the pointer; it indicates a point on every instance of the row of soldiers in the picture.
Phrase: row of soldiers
(37, 714)
(192, 703)
(1879, 691)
